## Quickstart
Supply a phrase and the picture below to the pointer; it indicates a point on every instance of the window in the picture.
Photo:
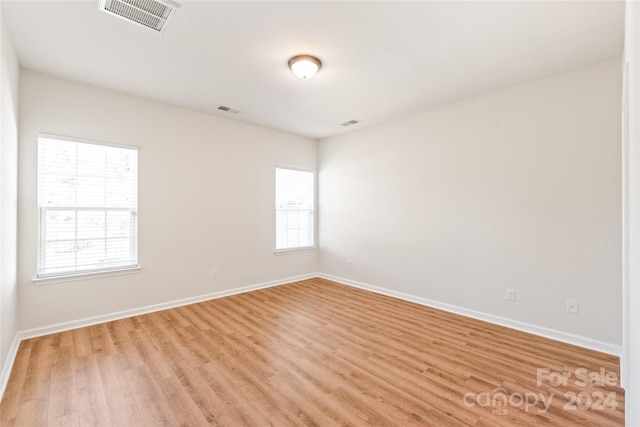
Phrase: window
(294, 209)
(87, 203)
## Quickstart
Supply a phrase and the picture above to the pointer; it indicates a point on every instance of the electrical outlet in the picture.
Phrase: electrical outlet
(511, 294)
(349, 264)
(572, 306)
(214, 273)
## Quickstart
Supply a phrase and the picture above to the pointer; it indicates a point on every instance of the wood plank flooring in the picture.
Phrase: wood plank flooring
(312, 353)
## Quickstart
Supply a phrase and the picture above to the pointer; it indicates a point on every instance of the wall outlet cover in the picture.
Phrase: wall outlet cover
(572, 306)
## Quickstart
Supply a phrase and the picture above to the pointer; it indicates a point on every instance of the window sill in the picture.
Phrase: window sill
(84, 276)
(294, 250)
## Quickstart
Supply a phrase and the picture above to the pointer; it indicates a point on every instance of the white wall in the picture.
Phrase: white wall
(518, 188)
(206, 199)
(515, 189)
(9, 72)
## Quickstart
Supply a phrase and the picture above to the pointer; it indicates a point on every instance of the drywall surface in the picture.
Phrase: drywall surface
(206, 199)
(9, 76)
(515, 189)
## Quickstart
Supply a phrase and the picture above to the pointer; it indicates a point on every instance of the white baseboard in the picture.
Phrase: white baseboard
(8, 364)
(88, 321)
(553, 334)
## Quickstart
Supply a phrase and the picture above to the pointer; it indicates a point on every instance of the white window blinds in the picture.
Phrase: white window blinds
(294, 209)
(87, 202)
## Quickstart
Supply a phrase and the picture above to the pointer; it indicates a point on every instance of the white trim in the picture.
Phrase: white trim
(88, 321)
(8, 364)
(49, 280)
(627, 200)
(41, 227)
(513, 324)
(294, 168)
(630, 363)
(85, 141)
(295, 250)
(553, 334)
(314, 218)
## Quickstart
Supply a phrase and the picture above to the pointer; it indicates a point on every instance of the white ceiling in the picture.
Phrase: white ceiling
(382, 60)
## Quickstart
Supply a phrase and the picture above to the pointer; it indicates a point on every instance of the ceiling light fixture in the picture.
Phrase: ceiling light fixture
(304, 66)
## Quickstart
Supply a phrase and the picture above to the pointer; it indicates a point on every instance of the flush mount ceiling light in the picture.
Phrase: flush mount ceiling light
(304, 66)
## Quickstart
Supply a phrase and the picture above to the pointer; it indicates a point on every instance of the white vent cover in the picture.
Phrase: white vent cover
(228, 109)
(154, 14)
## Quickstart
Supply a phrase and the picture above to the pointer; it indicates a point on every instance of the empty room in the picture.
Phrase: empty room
(250, 213)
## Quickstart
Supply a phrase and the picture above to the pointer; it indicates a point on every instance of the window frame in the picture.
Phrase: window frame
(72, 275)
(314, 226)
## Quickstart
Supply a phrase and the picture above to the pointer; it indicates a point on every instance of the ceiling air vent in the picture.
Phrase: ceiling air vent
(228, 109)
(152, 14)
(349, 123)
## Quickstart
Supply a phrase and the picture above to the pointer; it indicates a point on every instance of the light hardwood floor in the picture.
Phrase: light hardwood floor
(306, 353)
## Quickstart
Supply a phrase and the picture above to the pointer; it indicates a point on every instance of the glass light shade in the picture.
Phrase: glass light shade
(304, 66)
